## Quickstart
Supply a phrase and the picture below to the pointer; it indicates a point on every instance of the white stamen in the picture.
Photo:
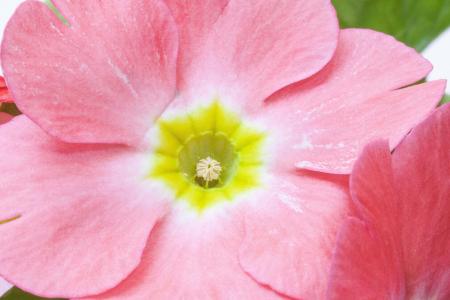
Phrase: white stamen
(208, 169)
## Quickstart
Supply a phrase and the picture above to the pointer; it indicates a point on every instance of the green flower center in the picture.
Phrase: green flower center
(207, 156)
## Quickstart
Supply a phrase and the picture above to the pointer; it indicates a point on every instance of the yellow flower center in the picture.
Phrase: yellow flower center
(207, 156)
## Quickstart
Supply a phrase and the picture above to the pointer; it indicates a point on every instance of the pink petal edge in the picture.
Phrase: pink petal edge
(405, 203)
(192, 257)
(89, 208)
(248, 54)
(322, 123)
(291, 229)
(102, 79)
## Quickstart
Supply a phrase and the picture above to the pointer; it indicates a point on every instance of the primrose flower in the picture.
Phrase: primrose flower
(398, 244)
(170, 149)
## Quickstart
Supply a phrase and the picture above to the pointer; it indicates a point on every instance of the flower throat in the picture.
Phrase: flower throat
(207, 156)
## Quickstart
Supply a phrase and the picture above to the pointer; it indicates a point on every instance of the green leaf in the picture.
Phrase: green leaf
(10, 108)
(414, 22)
(17, 294)
(445, 100)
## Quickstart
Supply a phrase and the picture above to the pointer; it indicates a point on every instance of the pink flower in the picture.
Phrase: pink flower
(150, 163)
(398, 247)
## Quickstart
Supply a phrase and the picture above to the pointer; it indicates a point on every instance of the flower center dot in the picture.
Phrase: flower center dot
(208, 169)
(208, 160)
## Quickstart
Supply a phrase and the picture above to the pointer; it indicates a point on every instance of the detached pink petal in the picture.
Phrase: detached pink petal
(102, 79)
(76, 218)
(405, 205)
(257, 47)
(291, 231)
(365, 266)
(192, 257)
(367, 263)
(422, 175)
(324, 122)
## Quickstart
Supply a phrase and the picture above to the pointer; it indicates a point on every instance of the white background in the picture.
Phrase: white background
(438, 52)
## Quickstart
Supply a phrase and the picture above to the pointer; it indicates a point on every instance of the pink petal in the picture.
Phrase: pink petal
(76, 218)
(4, 117)
(192, 257)
(103, 79)
(195, 19)
(406, 205)
(367, 262)
(257, 47)
(342, 134)
(365, 268)
(422, 172)
(291, 233)
(324, 122)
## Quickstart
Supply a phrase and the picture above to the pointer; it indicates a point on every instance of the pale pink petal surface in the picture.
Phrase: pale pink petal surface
(389, 115)
(291, 231)
(103, 78)
(257, 47)
(405, 204)
(76, 218)
(324, 122)
(195, 19)
(188, 257)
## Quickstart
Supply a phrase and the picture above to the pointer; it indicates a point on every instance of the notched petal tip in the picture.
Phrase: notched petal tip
(111, 95)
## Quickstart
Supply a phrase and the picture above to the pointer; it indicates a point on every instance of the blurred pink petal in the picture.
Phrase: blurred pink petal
(400, 249)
